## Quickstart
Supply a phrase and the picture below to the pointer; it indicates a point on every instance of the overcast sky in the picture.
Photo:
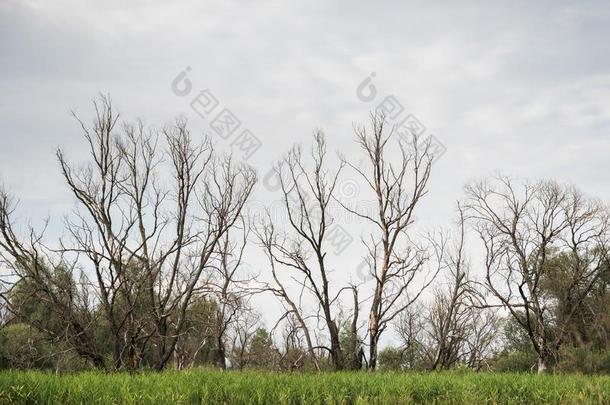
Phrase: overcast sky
(519, 87)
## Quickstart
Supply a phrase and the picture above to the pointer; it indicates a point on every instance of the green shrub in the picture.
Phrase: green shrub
(22, 347)
(516, 361)
(391, 358)
(575, 359)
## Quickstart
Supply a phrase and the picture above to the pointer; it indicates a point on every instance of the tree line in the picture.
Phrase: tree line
(149, 271)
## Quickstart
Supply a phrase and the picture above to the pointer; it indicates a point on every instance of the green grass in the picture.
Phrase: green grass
(205, 386)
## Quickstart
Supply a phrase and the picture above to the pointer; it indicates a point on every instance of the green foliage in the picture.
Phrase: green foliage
(518, 355)
(204, 386)
(262, 352)
(22, 347)
(391, 358)
(588, 323)
(351, 346)
(516, 361)
(33, 309)
(201, 322)
(576, 359)
(515, 337)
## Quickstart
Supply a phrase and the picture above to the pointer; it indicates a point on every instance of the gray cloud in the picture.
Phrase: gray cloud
(518, 87)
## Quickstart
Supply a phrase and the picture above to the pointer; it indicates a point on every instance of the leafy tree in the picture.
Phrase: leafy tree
(262, 352)
(23, 347)
(391, 358)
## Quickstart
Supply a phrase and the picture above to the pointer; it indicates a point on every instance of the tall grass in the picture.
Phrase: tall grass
(205, 386)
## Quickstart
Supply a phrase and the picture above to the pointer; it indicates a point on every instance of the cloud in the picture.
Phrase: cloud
(505, 86)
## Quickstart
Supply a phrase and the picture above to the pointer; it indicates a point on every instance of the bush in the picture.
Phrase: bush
(576, 359)
(516, 361)
(23, 347)
(391, 358)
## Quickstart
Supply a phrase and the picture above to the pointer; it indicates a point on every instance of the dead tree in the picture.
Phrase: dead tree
(482, 339)
(307, 194)
(270, 241)
(148, 241)
(292, 355)
(50, 279)
(228, 285)
(449, 315)
(354, 350)
(523, 227)
(410, 327)
(453, 327)
(240, 336)
(394, 260)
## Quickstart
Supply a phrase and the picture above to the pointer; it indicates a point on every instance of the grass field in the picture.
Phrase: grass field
(203, 386)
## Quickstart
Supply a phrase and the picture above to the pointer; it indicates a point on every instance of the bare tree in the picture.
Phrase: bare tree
(240, 336)
(449, 314)
(482, 338)
(271, 241)
(293, 353)
(50, 279)
(523, 227)
(394, 259)
(410, 329)
(148, 242)
(452, 328)
(229, 287)
(307, 195)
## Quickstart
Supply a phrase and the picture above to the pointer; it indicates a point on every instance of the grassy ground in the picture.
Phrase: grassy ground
(203, 386)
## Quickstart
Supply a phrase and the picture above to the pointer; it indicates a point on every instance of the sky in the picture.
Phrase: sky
(522, 88)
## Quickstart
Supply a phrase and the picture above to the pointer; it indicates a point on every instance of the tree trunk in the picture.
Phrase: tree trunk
(356, 352)
(373, 349)
(335, 346)
(374, 328)
(543, 355)
(542, 364)
(221, 361)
